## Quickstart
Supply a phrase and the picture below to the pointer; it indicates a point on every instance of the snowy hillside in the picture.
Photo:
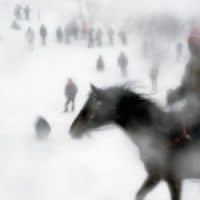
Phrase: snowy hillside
(103, 167)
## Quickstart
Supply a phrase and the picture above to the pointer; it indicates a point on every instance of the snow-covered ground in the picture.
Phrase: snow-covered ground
(104, 167)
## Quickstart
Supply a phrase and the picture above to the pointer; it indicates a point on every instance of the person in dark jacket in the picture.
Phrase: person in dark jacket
(189, 91)
(30, 37)
(179, 51)
(59, 35)
(42, 128)
(100, 64)
(67, 34)
(71, 91)
(18, 12)
(27, 11)
(99, 37)
(91, 38)
(154, 75)
(123, 37)
(75, 30)
(111, 36)
(123, 63)
(43, 34)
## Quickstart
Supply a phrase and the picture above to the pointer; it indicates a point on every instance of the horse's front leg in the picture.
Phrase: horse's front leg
(175, 188)
(147, 186)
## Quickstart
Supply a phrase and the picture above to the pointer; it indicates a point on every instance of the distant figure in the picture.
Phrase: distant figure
(27, 11)
(123, 63)
(71, 91)
(42, 128)
(18, 12)
(179, 51)
(75, 30)
(146, 48)
(99, 37)
(123, 37)
(43, 34)
(15, 25)
(91, 38)
(59, 35)
(111, 36)
(189, 90)
(154, 75)
(84, 30)
(30, 37)
(67, 34)
(100, 64)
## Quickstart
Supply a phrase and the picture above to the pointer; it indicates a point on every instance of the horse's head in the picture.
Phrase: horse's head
(97, 111)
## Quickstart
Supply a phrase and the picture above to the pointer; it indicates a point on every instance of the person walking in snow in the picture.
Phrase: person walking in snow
(43, 34)
(59, 35)
(154, 75)
(75, 30)
(111, 36)
(123, 63)
(99, 37)
(100, 64)
(123, 37)
(27, 11)
(18, 12)
(179, 51)
(189, 90)
(91, 38)
(30, 37)
(67, 34)
(71, 91)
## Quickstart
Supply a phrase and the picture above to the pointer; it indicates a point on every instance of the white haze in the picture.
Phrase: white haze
(104, 167)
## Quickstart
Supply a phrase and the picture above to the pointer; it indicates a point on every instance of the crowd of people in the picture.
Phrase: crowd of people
(72, 32)
(20, 13)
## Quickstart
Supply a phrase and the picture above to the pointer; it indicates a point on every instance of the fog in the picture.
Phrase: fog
(32, 82)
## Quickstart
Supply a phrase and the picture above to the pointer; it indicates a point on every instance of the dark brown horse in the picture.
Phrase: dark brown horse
(150, 128)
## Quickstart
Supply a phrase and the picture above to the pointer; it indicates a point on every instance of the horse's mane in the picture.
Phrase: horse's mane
(134, 104)
(147, 112)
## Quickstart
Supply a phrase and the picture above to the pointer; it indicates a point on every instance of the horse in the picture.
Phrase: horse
(152, 129)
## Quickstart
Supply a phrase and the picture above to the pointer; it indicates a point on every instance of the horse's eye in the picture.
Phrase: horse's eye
(84, 113)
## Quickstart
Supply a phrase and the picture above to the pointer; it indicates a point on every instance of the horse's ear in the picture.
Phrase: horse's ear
(95, 89)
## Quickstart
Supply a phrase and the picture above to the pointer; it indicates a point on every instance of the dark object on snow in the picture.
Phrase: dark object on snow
(59, 35)
(100, 64)
(42, 128)
(43, 34)
(71, 91)
(151, 129)
(123, 63)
